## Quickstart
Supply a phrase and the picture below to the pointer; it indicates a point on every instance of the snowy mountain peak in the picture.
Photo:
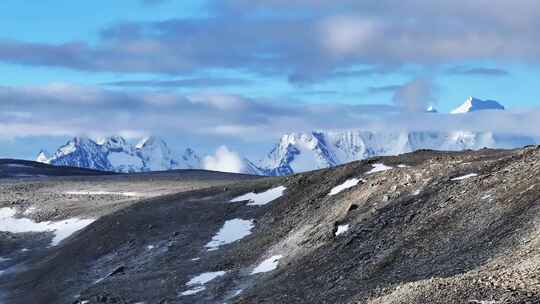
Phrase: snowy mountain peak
(431, 109)
(474, 104)
(115, 153)
(43, 157)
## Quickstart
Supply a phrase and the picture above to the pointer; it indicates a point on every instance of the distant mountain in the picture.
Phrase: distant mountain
(295, 152)
(474, 104)
(116, 154)
(431, 109)
(299, 152)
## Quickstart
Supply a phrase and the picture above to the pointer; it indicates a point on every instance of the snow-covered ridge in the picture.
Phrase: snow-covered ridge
(116, 154)
(295, 152)
(299, 152)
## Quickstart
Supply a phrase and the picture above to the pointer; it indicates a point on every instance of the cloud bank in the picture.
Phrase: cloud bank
(68, 110)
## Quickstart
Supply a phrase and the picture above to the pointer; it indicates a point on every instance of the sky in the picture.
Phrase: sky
(240, 73)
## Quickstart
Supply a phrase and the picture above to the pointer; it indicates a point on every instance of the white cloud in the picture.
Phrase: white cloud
(224, 160)
(346, 35)
(416, 95)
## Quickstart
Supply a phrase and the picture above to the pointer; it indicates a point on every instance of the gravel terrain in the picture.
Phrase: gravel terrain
(424, 227)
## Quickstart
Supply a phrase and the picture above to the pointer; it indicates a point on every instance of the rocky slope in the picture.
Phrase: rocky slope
(423, 227)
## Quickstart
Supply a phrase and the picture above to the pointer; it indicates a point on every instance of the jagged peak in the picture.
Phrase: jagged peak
(150, 141)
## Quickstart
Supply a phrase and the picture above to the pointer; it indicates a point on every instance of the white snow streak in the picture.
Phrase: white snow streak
(378, 168)
(346, 185)
(263, 198)
(267, 265)
(464, 177)
(193, 291)
(199, 281)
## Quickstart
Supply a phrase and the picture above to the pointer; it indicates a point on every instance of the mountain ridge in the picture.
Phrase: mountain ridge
(294, 153)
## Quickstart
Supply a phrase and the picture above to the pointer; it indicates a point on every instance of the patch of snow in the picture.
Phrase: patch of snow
(403, 166)
(267, 265)
(25, 250)
(232, 230)
(379, 167)
(237, 293)
(150, 247)
(2, 259)
(195, 259)
(416, 192)
(342, 229)
(204, 278)
(263, 198)
(199, 281)
(464, 177)
(486, 196)
(345, 185)
(62, 229)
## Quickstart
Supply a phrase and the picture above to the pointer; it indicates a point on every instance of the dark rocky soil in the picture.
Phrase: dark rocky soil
(416, 235)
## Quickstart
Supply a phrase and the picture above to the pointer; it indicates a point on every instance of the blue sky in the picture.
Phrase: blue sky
(225, 72)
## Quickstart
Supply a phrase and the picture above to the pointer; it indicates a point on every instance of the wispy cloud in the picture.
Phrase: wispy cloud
(383, 89)
(416, 95)
(182, 83)
(494, 72)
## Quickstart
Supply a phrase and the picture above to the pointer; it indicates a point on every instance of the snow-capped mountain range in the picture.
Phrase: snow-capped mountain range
(295, 152)
(116, 154)
(298, 152)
